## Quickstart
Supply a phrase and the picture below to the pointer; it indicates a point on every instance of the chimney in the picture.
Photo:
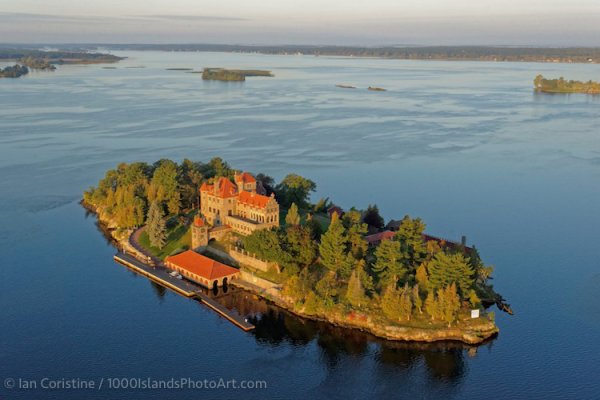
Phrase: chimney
(463, 241)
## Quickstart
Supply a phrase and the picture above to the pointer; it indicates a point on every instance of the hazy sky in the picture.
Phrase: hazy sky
(368, 22)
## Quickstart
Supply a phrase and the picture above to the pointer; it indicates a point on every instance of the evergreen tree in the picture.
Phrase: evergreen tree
(292, 217)
(416, 298)
(449, 303)
(390, 302)
(410, 236)
(355, 231)
(164, 186)
(332, 249)
(388, 266)
(355, 293)
(156, 226)
(432, 306)
(405, 304)
(445, 269)
(301, 247)
(422, 277)
(372, 217)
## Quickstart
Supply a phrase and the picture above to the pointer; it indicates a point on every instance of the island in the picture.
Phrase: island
(37, 63)
(222, 74)
(345, 86)
(13, 72)
(561, 85)
(212, 226)
(43, 57)
(376, 89)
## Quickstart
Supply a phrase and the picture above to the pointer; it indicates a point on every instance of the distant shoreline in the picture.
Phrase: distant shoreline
(430, 53)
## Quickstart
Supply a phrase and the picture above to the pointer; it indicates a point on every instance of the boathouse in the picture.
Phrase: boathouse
(201, 269)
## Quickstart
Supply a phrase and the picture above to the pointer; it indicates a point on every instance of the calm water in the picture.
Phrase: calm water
(467, 146)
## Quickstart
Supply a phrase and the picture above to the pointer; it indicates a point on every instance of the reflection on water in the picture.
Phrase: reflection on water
(443, 361)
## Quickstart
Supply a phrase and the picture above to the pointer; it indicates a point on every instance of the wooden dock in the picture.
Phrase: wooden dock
(183, 287)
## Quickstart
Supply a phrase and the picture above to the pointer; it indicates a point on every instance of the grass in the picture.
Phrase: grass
(178, 238)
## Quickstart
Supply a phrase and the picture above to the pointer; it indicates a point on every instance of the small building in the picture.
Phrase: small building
(376, 238)
(393, 225)
(201, 269)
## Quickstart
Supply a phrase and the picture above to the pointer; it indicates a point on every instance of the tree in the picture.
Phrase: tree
(355, 231)
(266, 183)
(410, 236)
(355, 293)
(388, 266)
(445, 269)
(449, 303)
(294, 189)
(292, 217)
(405, 304)
(416, 298)
(390, 302)
(372, 217)
(300, 245)
(327, 289)
(333, 249)
(218, 168)
(422, 278)
(431, 306)
(164, 187)
(156, 226)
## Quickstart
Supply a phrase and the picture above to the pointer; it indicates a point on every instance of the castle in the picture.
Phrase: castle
(228, 206)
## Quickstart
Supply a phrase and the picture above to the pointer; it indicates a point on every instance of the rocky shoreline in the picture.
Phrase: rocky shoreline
(481, 332)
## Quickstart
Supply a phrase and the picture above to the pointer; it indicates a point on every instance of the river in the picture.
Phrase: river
(467, 146)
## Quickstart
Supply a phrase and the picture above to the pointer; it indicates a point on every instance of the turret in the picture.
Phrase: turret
(199, 233)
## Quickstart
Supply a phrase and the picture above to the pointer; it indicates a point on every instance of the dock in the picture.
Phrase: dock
(182, 287)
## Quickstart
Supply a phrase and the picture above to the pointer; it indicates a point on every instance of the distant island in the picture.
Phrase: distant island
(346, 267)
(44, 58)
(457, 53)
(222, 74)
(562, 85)
(376, 89)
(345, 86)
(14, 72)
(37, 63)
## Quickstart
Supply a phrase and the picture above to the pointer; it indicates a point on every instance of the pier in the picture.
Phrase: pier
(183, 287)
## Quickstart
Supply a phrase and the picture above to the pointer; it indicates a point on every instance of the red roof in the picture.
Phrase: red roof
(200, 265)
(380, 236)
(225, 188)
(245, 177)
(253, 199)
(198, 221)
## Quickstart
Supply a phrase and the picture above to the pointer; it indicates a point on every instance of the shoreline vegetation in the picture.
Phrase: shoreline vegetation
(14, 71)
(47, 60)
(235, 75)
(404, 288)
(451, 53)
(562, 85)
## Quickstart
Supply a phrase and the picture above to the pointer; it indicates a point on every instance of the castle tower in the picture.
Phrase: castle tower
(199, 233)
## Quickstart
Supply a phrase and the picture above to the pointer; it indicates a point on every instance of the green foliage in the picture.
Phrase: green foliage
(322, 205)
(432, 306)
(300, 246)
(156, 226)
(561, 85)
(327, 289)
(445, 269)
(372, 217)
(294, 189)
(449, 303)
(14, 72)
(410, 236)
(266, 182)
(292, 217)
(333, 249)
(164, 186)
(355, 294)
(355, 231)
(397, 304)
(217, 167)
(416, 298)
(388, 266)
(422, 278)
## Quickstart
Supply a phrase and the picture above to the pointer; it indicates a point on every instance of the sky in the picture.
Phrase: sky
(338, 22)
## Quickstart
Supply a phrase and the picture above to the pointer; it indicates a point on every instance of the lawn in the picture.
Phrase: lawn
(178, 239)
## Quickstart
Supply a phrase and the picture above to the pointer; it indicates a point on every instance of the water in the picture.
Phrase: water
(467, 146)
